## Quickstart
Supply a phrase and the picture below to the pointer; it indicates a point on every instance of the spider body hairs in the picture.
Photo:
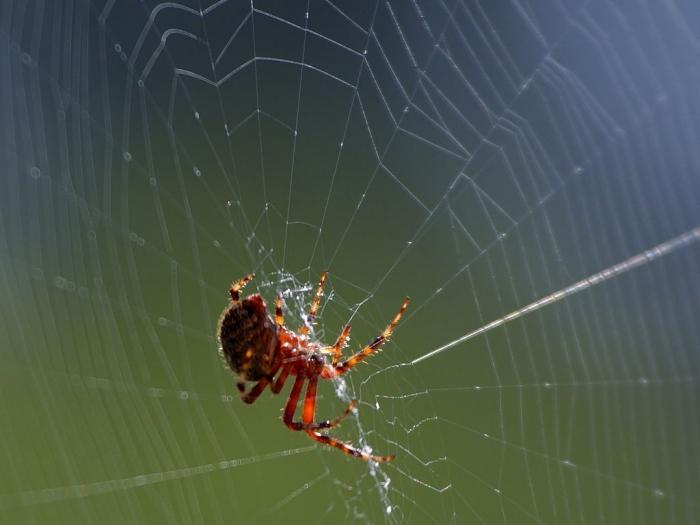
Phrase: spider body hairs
(259, 348)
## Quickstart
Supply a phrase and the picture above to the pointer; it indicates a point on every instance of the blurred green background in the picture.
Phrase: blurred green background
(475, 156)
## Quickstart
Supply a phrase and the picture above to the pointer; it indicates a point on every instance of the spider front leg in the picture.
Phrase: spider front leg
(340, 343)
(238, 285)
(279, 315)
(315, 303)
(373, 346)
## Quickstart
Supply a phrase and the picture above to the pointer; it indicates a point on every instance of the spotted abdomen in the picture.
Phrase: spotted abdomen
(248, 338)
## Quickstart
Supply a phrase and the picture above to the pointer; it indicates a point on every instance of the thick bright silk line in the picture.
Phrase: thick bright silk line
(633, 262)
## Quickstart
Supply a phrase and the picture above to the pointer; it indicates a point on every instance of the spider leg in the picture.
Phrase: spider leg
(309, 409)
(279, 316)
(315, 303)
(375, 345)
(340, 343)
(332, 423)
(257, 389)
(254, 392)
(238, 285)
(291, 406)
(277, 386)
(308, 417)
(347, 449)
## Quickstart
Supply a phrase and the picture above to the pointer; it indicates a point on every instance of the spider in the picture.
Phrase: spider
(256, 347)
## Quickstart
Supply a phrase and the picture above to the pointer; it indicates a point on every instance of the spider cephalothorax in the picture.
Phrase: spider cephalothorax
(256, 348)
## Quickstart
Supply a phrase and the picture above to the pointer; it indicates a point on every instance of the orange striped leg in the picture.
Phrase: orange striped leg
(309, 408)
(347, 449)
(308, 417)
(238, 285)
(279, 316)
(315, 303)
(374, 345)
(340, 343)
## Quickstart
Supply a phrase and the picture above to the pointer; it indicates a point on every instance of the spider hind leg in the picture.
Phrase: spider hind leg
(312, 428)
(309, 408)
(346, 448)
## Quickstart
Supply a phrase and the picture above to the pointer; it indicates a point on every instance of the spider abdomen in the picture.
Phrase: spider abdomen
(248, 339)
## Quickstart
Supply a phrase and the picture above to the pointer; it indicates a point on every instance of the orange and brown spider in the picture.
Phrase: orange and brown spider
(256, 347)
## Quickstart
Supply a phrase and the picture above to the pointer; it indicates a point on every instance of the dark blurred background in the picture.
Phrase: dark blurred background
(476, 156)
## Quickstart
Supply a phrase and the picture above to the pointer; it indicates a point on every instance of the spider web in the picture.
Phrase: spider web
(525, 171)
